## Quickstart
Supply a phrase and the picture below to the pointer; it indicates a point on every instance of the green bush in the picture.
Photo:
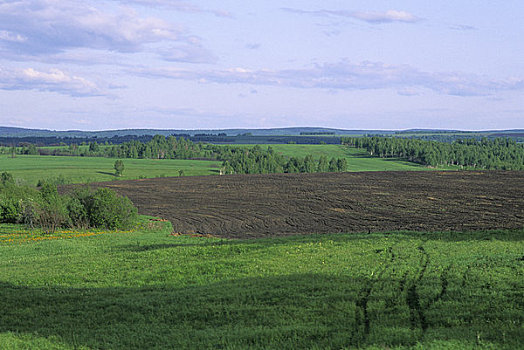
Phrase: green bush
(49, 210)
(52, 214)
(110, 210)
(78, 216)
(12, 198)
(28, 212)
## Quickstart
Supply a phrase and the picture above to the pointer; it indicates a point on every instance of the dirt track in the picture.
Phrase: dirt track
(280, 204)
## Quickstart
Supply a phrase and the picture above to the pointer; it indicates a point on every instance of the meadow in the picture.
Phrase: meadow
(357, 159)
(32, 168)
(151, 289)
(94, 169)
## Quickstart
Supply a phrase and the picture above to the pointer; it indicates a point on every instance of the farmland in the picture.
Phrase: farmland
(370, 260)
(91, 169)
(281, 204)
(152, 289)
(32, 168)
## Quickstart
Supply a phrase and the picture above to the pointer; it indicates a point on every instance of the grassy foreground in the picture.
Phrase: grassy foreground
(152, 290)
(92, 169)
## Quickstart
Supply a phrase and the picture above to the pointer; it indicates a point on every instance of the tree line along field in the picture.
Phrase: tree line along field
(357, 158)
(152, 289)
(33, 168)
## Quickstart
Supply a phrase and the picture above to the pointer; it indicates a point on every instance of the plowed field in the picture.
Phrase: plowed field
(243, 206)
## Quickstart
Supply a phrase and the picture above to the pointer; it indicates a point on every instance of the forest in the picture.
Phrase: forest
(499, 153)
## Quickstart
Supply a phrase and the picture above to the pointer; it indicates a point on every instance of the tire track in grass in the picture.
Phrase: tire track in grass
(362, 321)
(443, 287)
(417, 317)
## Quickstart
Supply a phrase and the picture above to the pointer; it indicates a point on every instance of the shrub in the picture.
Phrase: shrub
(6, 178)
(12, 198)
(78, 216)
(110, 210)
(52, 214)
(50, 210)
(28, 213)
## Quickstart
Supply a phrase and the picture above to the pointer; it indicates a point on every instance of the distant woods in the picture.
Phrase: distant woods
(499, 153)
(235, 159)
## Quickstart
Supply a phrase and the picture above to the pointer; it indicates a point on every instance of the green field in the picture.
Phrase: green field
(149, 289)
(91, 169)
(358, 159)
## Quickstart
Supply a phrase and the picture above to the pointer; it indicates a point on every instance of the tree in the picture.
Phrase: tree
(119, 167)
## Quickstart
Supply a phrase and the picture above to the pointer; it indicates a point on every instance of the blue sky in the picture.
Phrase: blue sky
(94, 65)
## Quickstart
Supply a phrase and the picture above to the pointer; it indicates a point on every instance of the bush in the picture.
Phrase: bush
(108, 209)
(28, 213)
(50, 210)
(12, 199)
(78, 216)
(52, 214)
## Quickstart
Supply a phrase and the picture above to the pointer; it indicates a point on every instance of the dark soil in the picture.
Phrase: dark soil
(244, 206)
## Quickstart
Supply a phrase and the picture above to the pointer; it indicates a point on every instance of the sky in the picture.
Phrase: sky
(183, 64)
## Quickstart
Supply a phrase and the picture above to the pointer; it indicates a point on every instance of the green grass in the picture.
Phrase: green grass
(152, 290)
(358, 159)
(91, 169)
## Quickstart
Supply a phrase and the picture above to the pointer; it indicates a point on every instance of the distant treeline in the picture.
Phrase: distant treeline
(449, 138)
(499, 153)
(220, 138)
(235, 159)
(64, 141)
(317, 133)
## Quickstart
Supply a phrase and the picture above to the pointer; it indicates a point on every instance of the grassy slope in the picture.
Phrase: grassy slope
(358, 159)
(153, 290)
(90, 169)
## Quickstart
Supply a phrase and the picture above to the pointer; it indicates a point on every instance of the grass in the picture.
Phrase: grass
(92, 169)
(149, 289)
(358, 159)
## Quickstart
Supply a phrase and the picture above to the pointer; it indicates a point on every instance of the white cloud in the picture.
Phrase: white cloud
(370, 17)
(54, 80)
(10, 36)
(345, 75)
(183, 6)
(41, 27)
(383, 17)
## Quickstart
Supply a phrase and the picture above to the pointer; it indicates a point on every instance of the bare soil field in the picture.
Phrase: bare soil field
(245, 206)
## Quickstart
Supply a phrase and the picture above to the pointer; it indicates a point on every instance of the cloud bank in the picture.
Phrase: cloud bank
(369, 17)
(45, 29)
(53, 80)
(345, 75)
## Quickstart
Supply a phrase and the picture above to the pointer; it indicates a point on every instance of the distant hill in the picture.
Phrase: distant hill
(295, 131)
(11, 135)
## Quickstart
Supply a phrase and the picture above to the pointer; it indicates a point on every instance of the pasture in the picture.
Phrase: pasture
(358, 159)
(152, 289)
(32, 168)
(92, 169)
